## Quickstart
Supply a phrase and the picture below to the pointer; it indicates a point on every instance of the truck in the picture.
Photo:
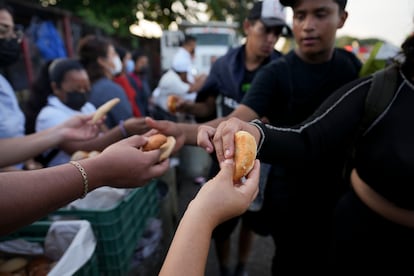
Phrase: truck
(214, 39)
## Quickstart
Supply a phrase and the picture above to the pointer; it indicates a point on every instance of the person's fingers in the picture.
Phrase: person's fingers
(204, 136)
(150, 132)
(251, 186)
(159, 168)
(224, 140)
(155, 124)
(226, 170)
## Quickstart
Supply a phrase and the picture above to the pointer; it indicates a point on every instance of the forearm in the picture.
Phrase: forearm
(18, 149)
(189, 249)
(198, 109)
(27, 196)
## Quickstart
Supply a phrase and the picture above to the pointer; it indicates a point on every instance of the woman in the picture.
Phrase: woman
(102, 63)
(374, 219)
(68, 96)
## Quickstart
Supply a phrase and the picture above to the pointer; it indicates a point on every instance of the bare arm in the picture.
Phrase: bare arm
(132, 126)
(199, 109)
(217, 201)
(29, 195)
(18, 149)
(187, 133)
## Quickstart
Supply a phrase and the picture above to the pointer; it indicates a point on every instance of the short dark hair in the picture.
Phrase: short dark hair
(187, 39)
(4, 6)
(292, 3)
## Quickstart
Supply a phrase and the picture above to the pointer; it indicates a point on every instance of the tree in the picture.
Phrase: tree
(116, 18)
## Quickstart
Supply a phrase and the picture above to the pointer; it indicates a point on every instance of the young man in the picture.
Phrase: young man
(228, 82)
(287, 92)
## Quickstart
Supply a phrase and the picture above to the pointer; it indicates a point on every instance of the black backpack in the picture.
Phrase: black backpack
(380, 94)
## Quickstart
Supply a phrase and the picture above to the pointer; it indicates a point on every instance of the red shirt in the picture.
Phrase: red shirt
(122, 80)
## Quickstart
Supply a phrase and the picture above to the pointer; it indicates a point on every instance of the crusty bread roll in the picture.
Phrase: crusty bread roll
(167, 148)
(13, 264)
(79, 155)
(162, 142)
(172, 103)
(154, 142)
(245, 150)
(105, 108)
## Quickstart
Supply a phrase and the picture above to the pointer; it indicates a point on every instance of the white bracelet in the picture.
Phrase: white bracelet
(84, 177)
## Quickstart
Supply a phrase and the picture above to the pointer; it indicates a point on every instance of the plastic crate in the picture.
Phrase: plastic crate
(118, 229)
(37, 232)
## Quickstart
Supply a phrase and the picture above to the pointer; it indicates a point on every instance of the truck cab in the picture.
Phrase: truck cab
(214, 39)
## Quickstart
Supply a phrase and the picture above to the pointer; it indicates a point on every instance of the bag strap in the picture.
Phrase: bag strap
(382, 90)
(380, 94)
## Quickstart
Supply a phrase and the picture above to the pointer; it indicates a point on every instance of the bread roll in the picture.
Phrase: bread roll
(172, 103)
(162, 142)
(105, 108)
(245, 150)
(13, 264)
(167, 148)
(154, 142)
(79, 155)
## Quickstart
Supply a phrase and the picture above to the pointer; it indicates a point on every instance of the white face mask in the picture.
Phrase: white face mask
(130, 66)
(118, 66)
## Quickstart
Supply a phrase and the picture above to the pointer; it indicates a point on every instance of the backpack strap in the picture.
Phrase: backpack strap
(382, 90)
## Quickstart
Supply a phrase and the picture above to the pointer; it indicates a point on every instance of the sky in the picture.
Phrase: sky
(390, 20)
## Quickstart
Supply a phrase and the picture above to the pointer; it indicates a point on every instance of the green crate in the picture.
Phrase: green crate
(118, 229)
(37, 232)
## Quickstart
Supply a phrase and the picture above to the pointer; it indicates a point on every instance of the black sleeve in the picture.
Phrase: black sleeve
(326, 132)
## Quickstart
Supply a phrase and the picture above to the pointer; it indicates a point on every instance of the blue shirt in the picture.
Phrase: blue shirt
(12, 120)
(104, 90)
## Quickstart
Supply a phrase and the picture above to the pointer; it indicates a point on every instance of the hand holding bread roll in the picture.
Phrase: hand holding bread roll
(245, 151)
(162, 142)
(172, 103)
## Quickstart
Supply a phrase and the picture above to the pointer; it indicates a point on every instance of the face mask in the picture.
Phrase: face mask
(76, 100)
(118, 66)
(9, 51)
(130, 65)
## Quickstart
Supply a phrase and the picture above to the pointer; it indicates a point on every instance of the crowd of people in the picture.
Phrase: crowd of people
(304, 109)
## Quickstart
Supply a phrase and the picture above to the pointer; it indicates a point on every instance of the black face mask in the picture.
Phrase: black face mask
(76, 100)
(9, 51)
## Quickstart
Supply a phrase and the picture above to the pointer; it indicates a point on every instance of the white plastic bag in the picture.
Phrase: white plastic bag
(72, 242)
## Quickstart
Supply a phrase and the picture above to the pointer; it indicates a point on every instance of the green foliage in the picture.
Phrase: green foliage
(115, 17)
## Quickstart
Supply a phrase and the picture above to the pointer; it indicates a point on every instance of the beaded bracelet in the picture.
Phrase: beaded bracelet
(84, 177)
(123, 130)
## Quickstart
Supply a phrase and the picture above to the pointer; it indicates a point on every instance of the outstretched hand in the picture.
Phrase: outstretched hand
(224, 136)
(80, 128)
(220, 199)
(132, 167)
(205, 136)
(168, 128)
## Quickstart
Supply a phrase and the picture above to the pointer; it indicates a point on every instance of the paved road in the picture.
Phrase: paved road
(259, 263)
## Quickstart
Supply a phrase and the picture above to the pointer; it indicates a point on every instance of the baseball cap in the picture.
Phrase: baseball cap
(270, 12)
(291, 3)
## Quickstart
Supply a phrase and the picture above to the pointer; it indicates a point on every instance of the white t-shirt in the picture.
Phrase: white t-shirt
(183, 54)
(170, 84)
(54, 113)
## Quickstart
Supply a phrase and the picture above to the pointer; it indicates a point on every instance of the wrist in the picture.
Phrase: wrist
(124, 132)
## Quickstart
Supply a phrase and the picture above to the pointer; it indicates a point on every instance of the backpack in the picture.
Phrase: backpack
(380, 94)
